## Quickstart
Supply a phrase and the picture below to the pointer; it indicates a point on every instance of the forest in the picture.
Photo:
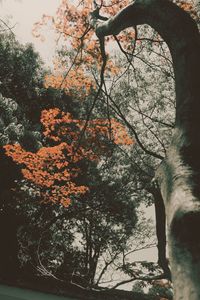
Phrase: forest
(90, 147)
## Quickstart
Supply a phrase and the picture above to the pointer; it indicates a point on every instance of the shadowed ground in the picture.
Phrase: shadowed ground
(12, 293)
(28, 291)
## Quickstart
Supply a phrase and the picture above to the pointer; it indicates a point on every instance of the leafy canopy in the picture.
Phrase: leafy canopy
(75, 72)
(54, 168)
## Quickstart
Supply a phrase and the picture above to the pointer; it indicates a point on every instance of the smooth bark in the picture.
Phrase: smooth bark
(179, 173)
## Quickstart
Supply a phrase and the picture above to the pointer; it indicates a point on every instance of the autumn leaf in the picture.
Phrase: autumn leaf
(53, 169)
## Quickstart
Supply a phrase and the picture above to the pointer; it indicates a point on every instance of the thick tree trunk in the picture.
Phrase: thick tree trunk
(179, 173)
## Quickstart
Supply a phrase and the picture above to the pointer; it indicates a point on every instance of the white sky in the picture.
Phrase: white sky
(24, 13)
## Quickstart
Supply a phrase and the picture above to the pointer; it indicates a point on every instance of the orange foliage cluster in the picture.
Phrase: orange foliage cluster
(58, 125)
(75, 83)
(188, 6)
(53, 169)
(72, 24)
(49, 170)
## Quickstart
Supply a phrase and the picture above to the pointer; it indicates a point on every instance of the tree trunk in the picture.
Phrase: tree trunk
(179, 173)
(161, 230)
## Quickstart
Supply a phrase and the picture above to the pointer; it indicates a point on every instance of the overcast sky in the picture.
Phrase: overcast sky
(24, 13)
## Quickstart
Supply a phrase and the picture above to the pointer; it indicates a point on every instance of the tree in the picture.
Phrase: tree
(20, 77)
(152, 13)
(102, 134)
(66, 25)
(59, 174)
(21, 74)
(181, 34)
(84, 242)
(54, 169)
(178, 175)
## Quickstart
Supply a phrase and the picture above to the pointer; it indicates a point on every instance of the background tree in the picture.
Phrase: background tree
(174, 180)
(190, 37)
(97, 202)
(14, 127)
(83, 59)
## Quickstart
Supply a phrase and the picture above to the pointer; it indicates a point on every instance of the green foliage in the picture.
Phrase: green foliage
(161, 291)
(21, 72)
(98, 230)
(10, 129)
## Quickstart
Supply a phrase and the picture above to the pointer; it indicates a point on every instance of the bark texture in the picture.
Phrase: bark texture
(179, 173)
